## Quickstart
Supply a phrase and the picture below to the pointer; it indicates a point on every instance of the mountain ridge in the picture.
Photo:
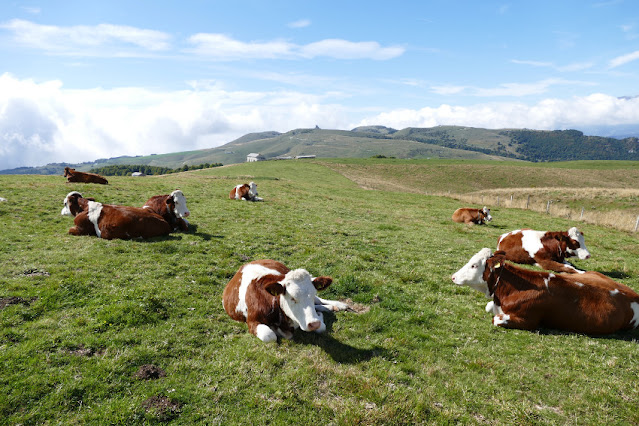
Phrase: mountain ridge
(460, 142)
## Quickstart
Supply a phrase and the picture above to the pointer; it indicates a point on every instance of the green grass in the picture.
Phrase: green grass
(425, 351)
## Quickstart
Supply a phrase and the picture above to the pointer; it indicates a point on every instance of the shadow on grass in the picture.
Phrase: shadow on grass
(628, 336)
(204, 235)
(615, 274)
(338, 351)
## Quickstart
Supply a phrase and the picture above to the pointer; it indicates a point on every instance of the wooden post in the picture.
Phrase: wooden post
(581, 217)
(527, 202)
(637, 224)
(498, 201)
(548, 207)
(511, 200)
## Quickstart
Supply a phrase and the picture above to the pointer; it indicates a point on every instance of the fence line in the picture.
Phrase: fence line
(617, 219)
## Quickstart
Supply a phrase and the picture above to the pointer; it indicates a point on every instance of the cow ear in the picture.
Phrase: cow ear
(321, 283)
(275, 289)
(90, 198)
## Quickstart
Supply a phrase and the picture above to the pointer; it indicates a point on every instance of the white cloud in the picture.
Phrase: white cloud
(507, 89)
(44, 122)
(222, 47)
(624, 59)
(549, 114)
(302, 23)
(98, 40)
(578, 66)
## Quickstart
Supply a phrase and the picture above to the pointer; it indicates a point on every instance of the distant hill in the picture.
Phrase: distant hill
(367, 141)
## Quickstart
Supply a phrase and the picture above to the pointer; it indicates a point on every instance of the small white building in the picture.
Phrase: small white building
(301, 157)
(137, 174)
(254, 157)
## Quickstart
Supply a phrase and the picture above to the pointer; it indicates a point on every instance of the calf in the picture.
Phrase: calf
(472, 216)
(273, 300)
(245, 192)
(73, 176)
(109, 221)
(547, 250)
(589, 303)
(172, 208)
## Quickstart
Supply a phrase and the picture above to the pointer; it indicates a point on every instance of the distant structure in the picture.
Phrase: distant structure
(283, 157)
(301, 157)
(254, 157)
(137, 174)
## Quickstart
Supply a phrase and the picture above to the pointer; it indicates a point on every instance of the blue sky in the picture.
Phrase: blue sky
(81, 80)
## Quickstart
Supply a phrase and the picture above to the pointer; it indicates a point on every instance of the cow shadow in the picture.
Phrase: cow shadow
(193, 229)
(340, 352)
(615, 274)
(627, 336)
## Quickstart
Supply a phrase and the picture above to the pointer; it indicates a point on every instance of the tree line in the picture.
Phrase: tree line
(128, 169)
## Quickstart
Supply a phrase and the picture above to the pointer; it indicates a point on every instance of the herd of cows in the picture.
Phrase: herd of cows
(274, 300)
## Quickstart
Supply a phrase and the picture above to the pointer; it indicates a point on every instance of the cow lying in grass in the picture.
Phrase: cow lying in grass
(172, 208)
(110, 221)
(273, 300)
(547, 250)
(472, 216)
(83, 177)
(245, 192)
(589, 303)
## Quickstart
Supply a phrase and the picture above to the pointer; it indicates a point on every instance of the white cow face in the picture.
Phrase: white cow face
(253, 190)
(66, 211)
(486, 211)
(298, 300)
(472, 273)
(180, 204)
(581, 251)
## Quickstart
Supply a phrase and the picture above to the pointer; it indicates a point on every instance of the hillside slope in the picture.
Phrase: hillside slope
(454, 142)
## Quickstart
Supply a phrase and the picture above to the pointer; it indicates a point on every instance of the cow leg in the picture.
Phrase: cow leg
(322, 327)
(514, 321)
(323, 305)
(262, 332)
(557, 267)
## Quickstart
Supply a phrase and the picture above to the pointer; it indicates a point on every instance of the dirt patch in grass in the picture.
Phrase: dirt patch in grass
(34, 272)
(149, 372)
(162, 407)
(14, 300)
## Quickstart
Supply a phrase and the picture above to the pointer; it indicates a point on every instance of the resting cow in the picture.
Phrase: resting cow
(273, 300)
(547, 250)
(109, 221)
(589, 303)
(472, 216)
(245, 192)
(73, 176)
(172, 208)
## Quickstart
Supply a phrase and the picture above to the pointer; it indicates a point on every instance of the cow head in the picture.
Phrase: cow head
(68, 171)
(71, 206)
(486, 212)
(576, 244)
(472, 274)
(178, 201)
(74, 203)
(297, 293)
(253, 190)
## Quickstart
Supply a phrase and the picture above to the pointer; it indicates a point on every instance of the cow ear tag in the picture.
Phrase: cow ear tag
(497, 265)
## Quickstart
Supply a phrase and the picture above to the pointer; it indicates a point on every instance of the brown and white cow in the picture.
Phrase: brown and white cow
(547, 250)
(273, 300)
(472, 216)
(245, 192)
(110, 221)
(172, 207)
(589, 303)
(83, 177)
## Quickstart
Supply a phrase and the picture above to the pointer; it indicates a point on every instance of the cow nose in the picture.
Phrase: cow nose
(453, 278)
(312, 326)
(587, 256)
(186, 214)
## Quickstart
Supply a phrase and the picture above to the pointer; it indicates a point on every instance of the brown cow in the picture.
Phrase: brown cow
(273, 300)
(588, 303)
(109, 221)
(547, 250)
(472, 216)
(73, 176)
(245, 192)
(172, 208)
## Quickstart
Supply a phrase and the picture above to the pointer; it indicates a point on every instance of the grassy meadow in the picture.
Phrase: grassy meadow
(80, 316)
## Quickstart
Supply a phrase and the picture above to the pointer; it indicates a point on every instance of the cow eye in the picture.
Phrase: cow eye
(474, 266)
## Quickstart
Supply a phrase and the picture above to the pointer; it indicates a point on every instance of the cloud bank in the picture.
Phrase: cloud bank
(42, 122)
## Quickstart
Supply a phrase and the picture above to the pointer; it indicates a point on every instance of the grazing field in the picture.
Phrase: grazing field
(80, 317)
